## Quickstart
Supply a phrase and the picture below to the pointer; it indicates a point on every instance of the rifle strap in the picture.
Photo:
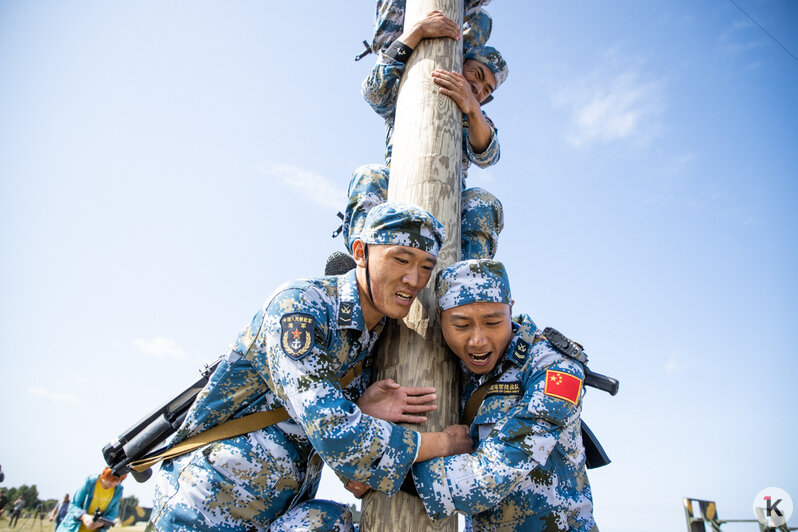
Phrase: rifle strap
(475, 401)
(231, 428)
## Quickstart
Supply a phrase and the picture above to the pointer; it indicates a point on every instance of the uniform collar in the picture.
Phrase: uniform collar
(350, 313)
(519, 346)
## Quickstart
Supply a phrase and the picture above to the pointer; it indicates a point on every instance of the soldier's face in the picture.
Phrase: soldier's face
(481, 79)
(478, 333)
(398, 274)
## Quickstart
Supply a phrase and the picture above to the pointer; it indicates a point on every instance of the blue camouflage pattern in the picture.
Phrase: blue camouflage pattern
(380, 90)
(403, 224)
(316, 514)
(482, 214)
(481, 222)
(389, 22)
(246, 482)
(528, 472)
(472, 281)
(491, 58)
(381, 87)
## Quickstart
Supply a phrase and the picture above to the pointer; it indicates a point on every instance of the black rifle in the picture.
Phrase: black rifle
(98, 518)
(151, 431)
(594, 452)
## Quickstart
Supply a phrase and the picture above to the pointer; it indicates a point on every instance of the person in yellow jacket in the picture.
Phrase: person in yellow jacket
(99, 492)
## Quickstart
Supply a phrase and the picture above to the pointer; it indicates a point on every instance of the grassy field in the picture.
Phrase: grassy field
(49, 526)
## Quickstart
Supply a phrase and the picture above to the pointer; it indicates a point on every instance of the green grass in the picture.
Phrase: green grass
(47, 526)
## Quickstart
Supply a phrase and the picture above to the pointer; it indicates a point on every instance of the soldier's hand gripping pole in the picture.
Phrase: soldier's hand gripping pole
(152, 430)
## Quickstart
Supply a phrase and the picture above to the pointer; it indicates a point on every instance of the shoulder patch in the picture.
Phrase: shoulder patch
(563, 386)
(297, 335)
(520, 351)
(345, 312)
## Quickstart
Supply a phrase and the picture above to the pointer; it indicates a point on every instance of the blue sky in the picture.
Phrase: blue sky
(163, 167)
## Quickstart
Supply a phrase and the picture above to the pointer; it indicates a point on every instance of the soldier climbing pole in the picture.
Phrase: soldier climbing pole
(425, 170)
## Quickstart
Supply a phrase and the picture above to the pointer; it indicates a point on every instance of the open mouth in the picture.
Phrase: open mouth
(479, 358)
(404, 297)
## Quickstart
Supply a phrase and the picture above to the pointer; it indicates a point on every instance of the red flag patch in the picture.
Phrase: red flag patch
(563, 385)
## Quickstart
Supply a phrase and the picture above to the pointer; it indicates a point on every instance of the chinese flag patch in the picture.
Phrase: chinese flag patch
(563, 385)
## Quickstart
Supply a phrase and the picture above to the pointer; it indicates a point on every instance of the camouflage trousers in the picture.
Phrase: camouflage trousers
(256, 482)
(390, 20)
(313, 515)
(482, 215)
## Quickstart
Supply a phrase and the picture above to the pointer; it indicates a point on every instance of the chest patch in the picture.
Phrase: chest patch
(504, 388)
(563, 386)
(296, 337)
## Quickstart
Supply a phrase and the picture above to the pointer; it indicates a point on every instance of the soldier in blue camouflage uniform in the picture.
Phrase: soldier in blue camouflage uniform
(389, 22)
(484, 70)
(307, 335)
(482, 215)
(528, 472)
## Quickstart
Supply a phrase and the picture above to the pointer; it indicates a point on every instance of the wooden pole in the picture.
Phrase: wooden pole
(425, 170)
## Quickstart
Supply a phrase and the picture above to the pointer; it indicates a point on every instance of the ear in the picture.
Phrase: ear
(359, 253)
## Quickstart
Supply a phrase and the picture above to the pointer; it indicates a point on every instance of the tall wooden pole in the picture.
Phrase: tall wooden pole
(425, 170)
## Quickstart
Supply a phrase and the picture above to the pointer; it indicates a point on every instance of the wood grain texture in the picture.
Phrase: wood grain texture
(425, 170)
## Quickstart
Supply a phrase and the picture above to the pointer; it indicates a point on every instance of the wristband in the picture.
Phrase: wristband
(399, 51)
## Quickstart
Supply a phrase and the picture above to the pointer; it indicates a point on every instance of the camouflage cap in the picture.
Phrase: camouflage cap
(403, 224)
(472, 281)
(491, 58)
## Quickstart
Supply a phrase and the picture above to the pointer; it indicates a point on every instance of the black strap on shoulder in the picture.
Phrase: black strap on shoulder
(475, 401)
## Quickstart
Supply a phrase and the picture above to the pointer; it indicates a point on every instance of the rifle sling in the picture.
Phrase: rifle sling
(475, 401)
(231, 428)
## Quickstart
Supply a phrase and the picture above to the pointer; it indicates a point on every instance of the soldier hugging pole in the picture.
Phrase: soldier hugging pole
(425, 170)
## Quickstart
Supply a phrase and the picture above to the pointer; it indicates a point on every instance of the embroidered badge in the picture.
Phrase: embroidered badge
(345, 313)
(504, 388)
(297, 334)
(520, 352)
(563, 386)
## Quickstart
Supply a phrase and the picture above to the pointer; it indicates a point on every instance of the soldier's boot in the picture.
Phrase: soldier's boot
(482, 221)
(367, 189)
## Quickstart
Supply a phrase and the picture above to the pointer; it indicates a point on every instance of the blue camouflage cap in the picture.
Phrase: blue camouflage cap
(403, 224)
(491, 58)
(472, 281)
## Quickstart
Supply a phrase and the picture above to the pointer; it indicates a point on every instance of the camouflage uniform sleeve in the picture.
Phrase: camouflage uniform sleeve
(520, 441)
(491, 154)
(353, 444)
(381, 86)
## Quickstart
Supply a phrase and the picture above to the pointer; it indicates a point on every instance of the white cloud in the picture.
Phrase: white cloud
(61, 397)
(159, 347)
(615, 102)
(314, 187)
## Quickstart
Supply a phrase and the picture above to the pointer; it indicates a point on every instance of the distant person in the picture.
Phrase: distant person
(60, 510)
(16, 511)
(3, 501)
(99, 492)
